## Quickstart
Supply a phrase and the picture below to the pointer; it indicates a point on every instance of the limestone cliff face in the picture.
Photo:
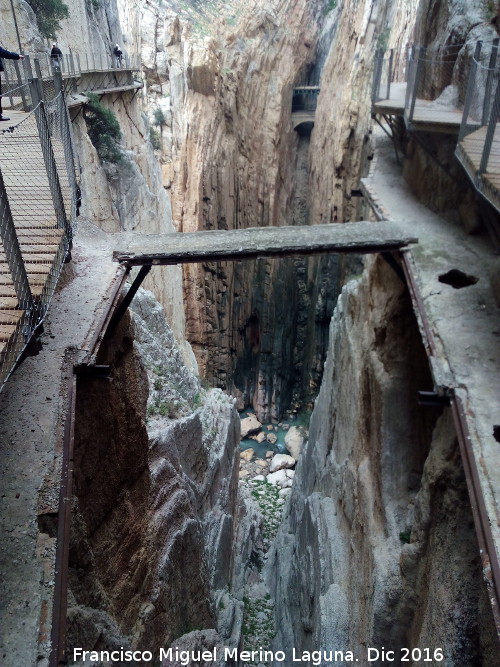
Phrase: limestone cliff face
(229, 157)
(155, 495)
(242, 319)
(379, 537)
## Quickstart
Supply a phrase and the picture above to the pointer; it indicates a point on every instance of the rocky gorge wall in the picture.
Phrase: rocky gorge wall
(155, 482)
(229, 157)
(378, 541)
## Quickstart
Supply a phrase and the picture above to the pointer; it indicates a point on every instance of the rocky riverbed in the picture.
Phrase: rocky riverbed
(265, 478)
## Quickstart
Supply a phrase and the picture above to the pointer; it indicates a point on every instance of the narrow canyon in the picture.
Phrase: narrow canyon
(267, 466)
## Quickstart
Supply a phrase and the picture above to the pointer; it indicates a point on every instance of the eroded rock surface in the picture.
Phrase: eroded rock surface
(149, 493)
(360, 554)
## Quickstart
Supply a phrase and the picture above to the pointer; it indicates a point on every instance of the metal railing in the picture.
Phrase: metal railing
(38, 209)
(390, 66)
(478, 147)
(305, 98)
(75, 72)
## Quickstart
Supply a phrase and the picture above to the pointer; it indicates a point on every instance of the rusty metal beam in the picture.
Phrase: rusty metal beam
(487, 551)
(60, 601)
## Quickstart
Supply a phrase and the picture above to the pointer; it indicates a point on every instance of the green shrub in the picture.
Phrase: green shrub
(159, 117)
(49, 14)
(490, 9)
(155, 138)
(104, 130)
(330, 6)
(405, 536)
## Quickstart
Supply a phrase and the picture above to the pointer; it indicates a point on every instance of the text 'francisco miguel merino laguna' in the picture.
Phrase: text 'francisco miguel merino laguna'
(232, 655)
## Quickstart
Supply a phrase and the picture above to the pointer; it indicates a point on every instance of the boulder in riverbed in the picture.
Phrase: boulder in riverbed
(249, 426)
(281, 461)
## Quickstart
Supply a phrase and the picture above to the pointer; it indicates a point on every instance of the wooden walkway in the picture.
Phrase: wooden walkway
(436, 117)
(30, 200)
(237, 244)
(473, 145)
(428, 115)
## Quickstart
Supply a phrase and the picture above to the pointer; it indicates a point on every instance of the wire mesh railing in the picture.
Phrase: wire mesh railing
(478, 147)
(38, 208)
(72, 68)
(390, 67)
(438, 82)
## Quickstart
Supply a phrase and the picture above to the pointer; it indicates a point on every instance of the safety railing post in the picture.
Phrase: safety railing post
(376, 75)
(36, 91)
(69, 156)
(13, 253)
(58, 82)
(389, 75)
(38, 71)
(409, 77)
(9, 88)
(418, 73)
(492, 126)
(51, 169)
(78, 63)
(20, 83)
(489, 81)
(468, 99)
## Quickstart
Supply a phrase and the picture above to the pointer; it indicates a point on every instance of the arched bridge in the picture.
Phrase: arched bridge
(304, 103)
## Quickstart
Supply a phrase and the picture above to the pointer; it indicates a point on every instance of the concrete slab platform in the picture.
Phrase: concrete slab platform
(179, 248)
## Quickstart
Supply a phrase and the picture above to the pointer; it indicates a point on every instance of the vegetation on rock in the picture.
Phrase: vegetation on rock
(49, 14)
(103, 130)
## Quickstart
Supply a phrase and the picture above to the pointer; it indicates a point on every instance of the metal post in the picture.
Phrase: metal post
(489, 81)
(13, 252)
(15, 24)
(78, 63)
(409, 75)
(69, 157)
(376, 75)
(418, 73)
(389, 77)
(468, 98)
(492, 126)
(39, 77)
(127, 299)
(9, 88)
(21, 84)
(58, 82)
(71, 63)
(50, 165)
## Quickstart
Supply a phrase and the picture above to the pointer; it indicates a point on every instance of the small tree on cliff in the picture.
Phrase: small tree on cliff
(49, 14)
(104, 130)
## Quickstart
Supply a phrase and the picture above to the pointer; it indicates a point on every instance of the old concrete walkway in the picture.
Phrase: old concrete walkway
(352, 237)
(464, 324)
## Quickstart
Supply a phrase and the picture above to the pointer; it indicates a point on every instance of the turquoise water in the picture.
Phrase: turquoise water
(260, 448)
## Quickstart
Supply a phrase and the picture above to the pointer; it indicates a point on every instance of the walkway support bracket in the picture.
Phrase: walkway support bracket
(127, 299)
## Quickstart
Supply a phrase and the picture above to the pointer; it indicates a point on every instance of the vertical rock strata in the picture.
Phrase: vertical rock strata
(378, 547)
(230, 158)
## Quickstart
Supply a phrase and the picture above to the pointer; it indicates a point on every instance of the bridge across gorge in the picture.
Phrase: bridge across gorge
(304, 102)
